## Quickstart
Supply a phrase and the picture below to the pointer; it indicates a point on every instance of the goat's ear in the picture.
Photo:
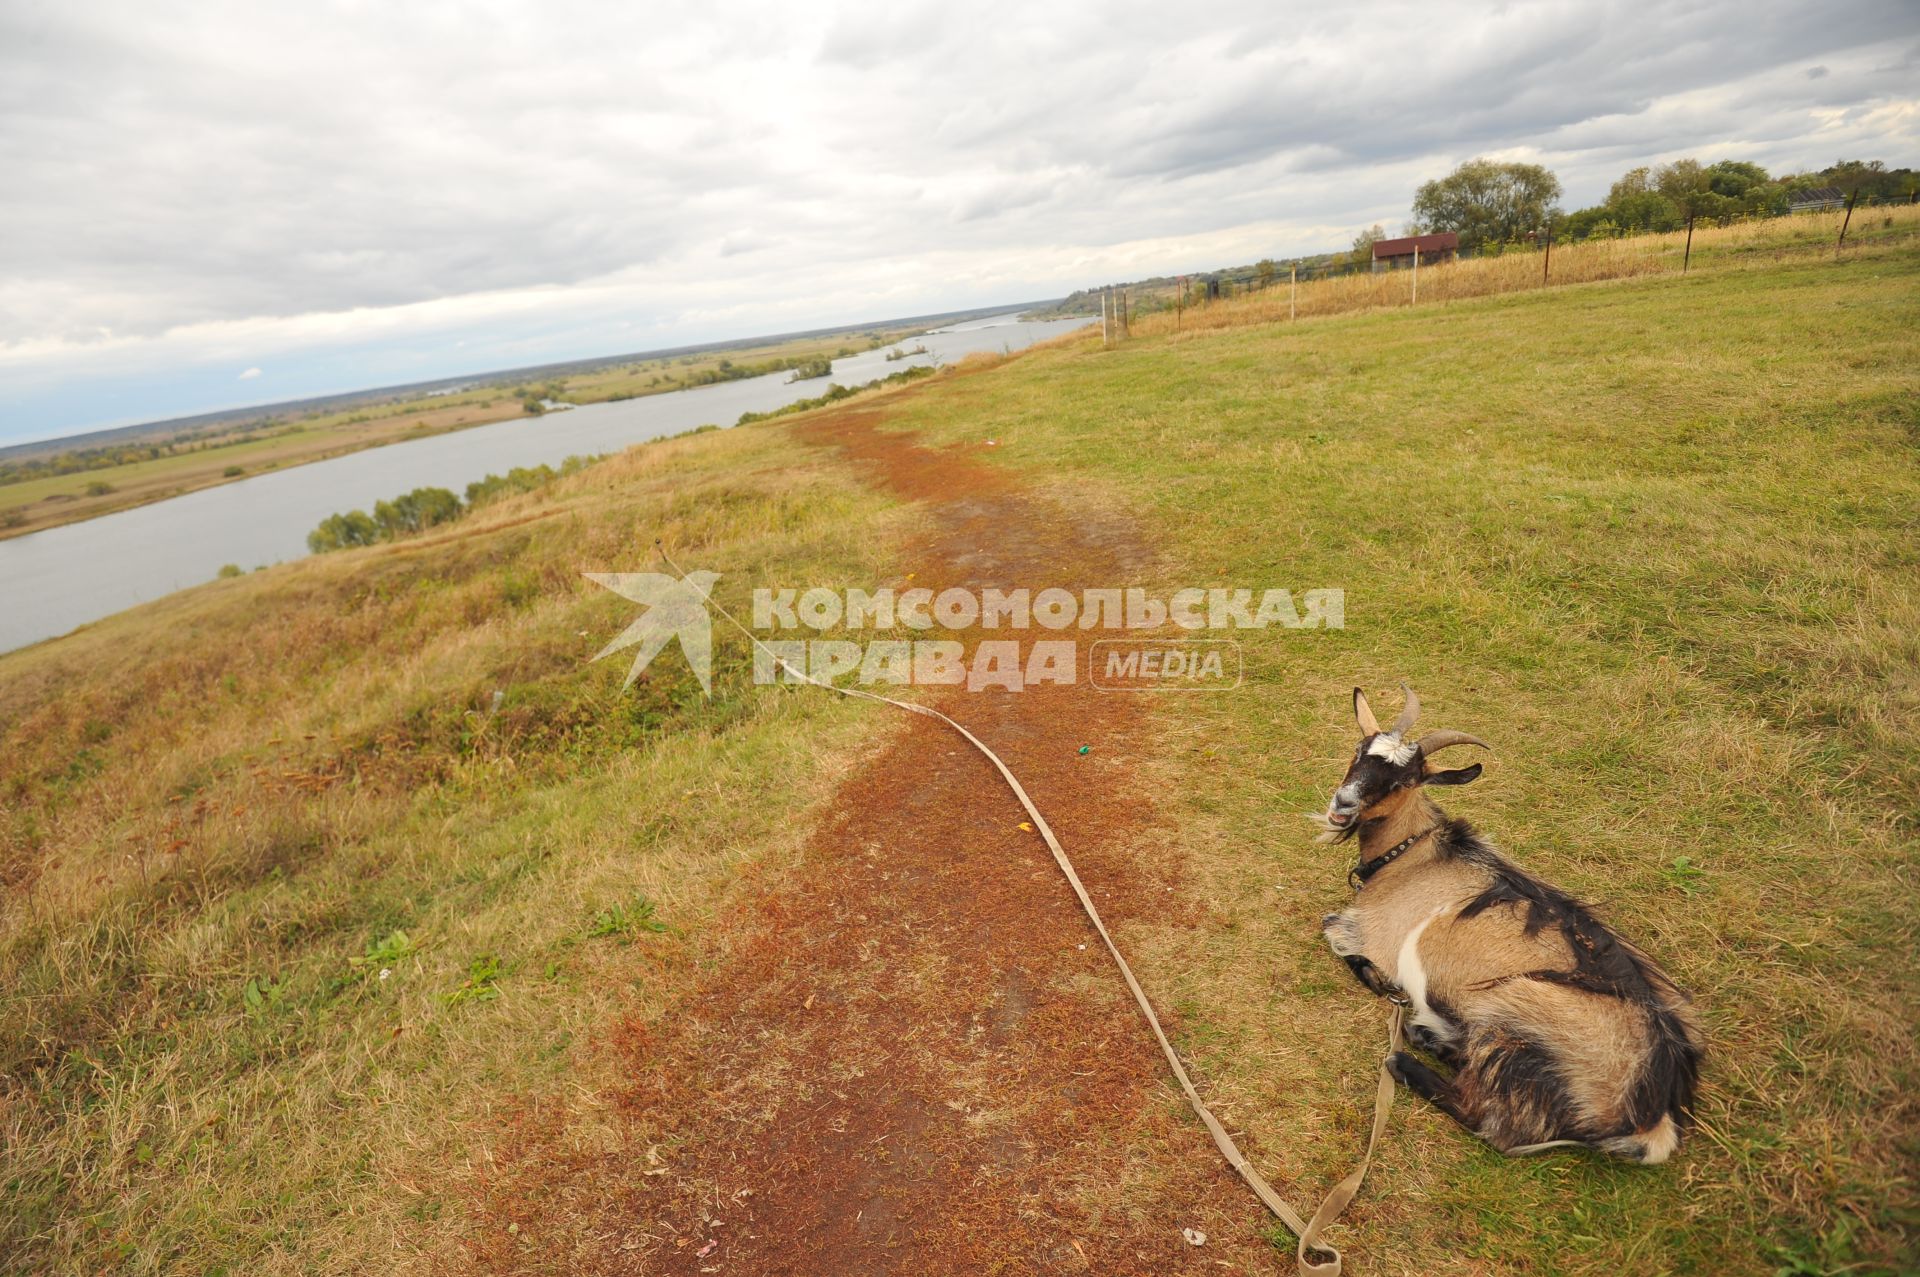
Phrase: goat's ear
(1363, 714)
(1458, 776)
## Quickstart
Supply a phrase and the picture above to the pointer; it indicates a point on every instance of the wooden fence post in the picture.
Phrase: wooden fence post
(1687, 257)
(1416, 274)
(1844, 223)
(1106, 331)
(1546, 267)
(1293, 287)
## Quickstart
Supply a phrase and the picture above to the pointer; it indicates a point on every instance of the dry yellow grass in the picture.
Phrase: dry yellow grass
(1756, 243)
(218, 812)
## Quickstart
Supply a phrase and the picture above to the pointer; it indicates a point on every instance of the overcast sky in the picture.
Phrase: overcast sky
(215, 204)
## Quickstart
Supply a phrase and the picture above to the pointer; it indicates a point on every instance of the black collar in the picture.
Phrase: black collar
(1366, 869)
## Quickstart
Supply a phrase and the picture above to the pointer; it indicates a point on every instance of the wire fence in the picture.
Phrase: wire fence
(1249, 296)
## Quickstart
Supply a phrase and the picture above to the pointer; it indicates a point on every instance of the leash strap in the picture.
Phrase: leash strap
(1336, 1200)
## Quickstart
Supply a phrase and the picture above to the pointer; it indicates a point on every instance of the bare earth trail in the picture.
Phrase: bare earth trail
(916, 1058)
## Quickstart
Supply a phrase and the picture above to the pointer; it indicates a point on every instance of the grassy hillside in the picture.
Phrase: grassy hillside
(1655, 539)
(291, 905)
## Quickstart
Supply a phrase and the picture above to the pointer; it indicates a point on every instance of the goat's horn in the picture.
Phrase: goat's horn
(1408, 712)
(1433, 742)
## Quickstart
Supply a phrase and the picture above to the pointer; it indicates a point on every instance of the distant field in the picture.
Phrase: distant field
(318, 881)
(33, 504)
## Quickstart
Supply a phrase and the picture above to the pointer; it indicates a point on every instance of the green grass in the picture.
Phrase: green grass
(1656, 540)
(158, 470)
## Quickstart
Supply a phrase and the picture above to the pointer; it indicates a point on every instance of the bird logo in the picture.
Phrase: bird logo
(676, 607)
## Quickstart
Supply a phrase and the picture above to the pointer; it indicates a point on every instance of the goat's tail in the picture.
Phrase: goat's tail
(1649, 1147)
(1662, 1102)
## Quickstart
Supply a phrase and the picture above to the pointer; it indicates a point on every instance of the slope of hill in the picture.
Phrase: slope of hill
(353, 919)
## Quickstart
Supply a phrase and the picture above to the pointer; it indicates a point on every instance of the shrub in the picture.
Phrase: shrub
(229, 570)
(424, 508)
(521, 479)
(415, 511)
(99, 488)
(233, 472)
(835, 393)
(343, 531)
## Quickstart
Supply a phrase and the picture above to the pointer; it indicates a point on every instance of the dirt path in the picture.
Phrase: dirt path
(917, 1059)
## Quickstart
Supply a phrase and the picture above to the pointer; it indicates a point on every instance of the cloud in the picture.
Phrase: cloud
(219, 185)
(248, 375)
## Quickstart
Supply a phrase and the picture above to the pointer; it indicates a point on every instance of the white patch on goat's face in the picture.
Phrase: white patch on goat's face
(1392, 748)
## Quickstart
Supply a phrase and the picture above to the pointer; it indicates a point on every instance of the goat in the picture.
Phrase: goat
(1556, 1031)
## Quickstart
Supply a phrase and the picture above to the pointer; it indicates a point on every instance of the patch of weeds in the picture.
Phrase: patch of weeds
(518, 588)
(1833, 1251)
(481, 984)
(260, 996)
(1685, 874)
(381, 954)
(626, 921)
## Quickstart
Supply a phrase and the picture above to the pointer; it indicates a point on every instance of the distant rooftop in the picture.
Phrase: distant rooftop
(1818, 195)
(1441, 242)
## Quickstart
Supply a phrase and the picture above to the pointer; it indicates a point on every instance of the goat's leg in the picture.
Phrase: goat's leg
(1369, 975)
(1425, 1039)
(1342, 931)
(1445, 1095)
(1430, 1086)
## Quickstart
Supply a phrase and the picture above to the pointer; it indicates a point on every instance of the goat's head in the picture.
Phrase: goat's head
(1387, 768)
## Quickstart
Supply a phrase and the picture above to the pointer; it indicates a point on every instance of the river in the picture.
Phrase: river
(54, 580)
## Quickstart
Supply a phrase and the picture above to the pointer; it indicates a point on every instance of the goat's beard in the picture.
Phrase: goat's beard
(1330, 833)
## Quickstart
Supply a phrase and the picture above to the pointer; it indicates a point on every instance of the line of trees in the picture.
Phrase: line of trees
(423, 508)
(1491, 204)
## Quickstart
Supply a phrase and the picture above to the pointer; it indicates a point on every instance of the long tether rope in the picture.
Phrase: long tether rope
(1336, 1200)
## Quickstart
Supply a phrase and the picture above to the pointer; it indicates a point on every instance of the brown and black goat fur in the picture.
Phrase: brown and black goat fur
(1553, 1029)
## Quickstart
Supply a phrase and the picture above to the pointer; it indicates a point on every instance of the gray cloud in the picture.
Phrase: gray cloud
(217, 161)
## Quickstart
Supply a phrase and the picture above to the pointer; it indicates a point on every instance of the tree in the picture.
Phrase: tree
(1688, 186)
(1266, 270)
(1853, 175)
(1636, 202)
(1633, 183)
(342, 531)
(1734, 178)
(1363, 244)
(1488, 202)
(413, 511)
